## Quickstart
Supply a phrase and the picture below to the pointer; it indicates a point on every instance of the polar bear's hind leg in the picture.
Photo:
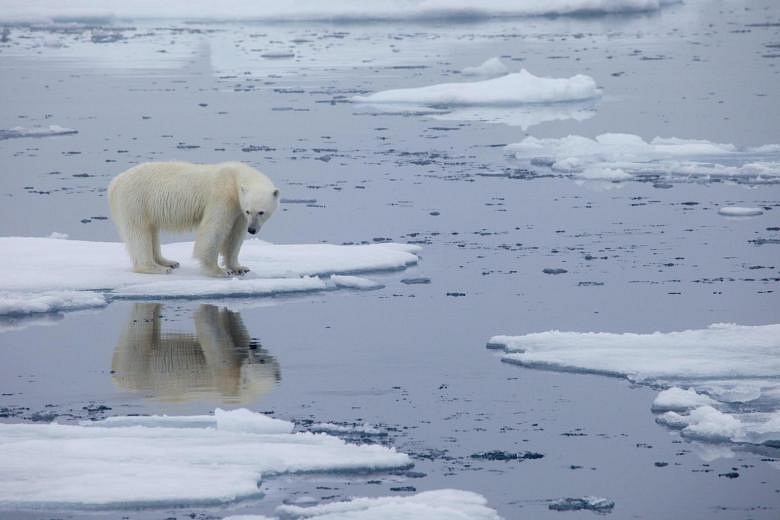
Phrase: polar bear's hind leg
(141, 246)
(159, 259)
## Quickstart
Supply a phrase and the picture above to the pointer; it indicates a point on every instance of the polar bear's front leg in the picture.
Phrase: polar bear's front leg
(232, 245)
(214, 225)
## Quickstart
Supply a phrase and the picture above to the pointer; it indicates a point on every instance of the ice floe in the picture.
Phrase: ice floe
(721, 383)
(135, 461)
(490, 67)
(36, 131)
(443, 504)
(512, 89)
(736, 211)
(43, 273)
(316, 10)
(517, 99)
(617, 156)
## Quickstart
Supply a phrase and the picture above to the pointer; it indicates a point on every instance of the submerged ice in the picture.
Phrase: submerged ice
(133, 461)
(721, 383)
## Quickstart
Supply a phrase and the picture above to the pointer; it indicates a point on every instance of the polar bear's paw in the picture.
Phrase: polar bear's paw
(237, 270)
(152, 269)
(173, 264)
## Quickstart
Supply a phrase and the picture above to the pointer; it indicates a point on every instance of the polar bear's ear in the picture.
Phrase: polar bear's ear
(276, 193)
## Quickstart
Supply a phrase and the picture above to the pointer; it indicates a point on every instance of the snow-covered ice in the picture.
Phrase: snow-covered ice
(737, 211)
(443, 504)
(133, 461)
(711, 375)
(513, 89)
(315, 10)
(36, 131)
(490, 67)
(33, 302)
(623, 156)
(42, 268)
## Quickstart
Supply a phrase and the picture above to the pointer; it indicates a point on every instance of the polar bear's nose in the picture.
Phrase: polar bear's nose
(252, 231)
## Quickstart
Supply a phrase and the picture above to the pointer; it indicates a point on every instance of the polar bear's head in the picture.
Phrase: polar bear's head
(258, 202)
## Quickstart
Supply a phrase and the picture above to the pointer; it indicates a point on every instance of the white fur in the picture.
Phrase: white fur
(222, 201)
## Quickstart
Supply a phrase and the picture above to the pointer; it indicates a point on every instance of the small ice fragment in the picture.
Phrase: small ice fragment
(491, 67)
(736, 211)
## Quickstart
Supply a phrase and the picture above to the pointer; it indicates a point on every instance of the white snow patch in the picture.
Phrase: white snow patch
(166, 460)
(489, 68)
(355, 282)
(18, 303)
(632, 156)
(443, 504)
(722, 367)
(512, 89)
(36, 131)
(316, 10)
(48, 265)
(736, 211)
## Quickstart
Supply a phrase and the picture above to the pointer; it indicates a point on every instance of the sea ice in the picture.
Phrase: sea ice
(624, 156)
(711, 375)
(38, 131)
(736, 211)
(512, 89)
(47, 271)
(136, 461)
(18, 303)
(349, 429)
(491, 67)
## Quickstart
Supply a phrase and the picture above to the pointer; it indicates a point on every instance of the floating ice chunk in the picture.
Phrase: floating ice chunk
(18, 303)
(316, 10)
(491, 67)
(601, 505)
(710, 424)
(355, 282)
(512, 89)
(38, 131)
(47, 264)
(721, 350)
(736, 211)
(659, 157)
(444, 504)
(159, 460)
(678, 400)
(721, 366)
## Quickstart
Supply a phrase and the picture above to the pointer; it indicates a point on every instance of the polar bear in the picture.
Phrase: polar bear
(220, 200)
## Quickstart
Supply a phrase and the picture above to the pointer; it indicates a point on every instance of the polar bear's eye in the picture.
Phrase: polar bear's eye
(247, 212)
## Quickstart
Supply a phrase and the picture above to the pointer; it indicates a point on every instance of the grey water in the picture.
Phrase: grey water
(410, 358)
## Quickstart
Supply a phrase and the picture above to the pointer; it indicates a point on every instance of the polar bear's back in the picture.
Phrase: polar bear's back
(171, 195)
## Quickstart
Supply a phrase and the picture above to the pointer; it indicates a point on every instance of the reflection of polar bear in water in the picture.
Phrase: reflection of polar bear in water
(219, 360)
(223, 201)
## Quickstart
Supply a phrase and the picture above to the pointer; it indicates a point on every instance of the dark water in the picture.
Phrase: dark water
(410, 358)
